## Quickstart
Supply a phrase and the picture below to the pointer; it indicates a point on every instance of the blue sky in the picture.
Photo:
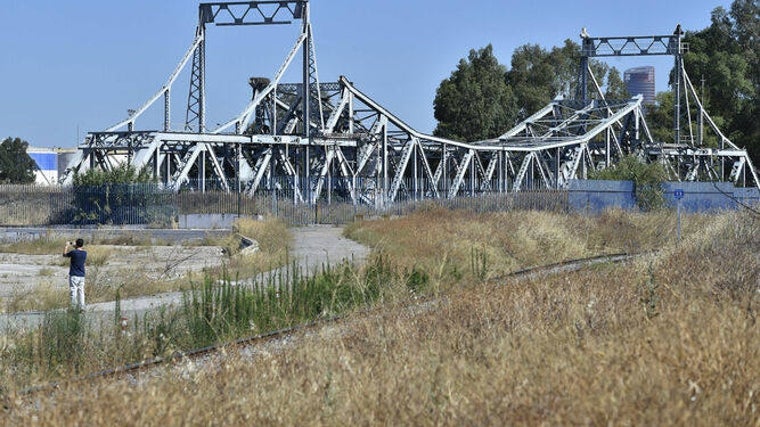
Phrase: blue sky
(71, 67)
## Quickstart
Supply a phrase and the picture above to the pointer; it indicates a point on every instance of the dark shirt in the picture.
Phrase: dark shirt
(78, 258)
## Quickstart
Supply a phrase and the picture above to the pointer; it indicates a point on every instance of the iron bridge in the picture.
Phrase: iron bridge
(319, 141)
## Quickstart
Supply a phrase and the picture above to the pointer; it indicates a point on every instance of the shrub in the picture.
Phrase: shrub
(119, 196)
(647, 179)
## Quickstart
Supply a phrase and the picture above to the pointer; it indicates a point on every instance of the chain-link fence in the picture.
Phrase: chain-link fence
(147, 204)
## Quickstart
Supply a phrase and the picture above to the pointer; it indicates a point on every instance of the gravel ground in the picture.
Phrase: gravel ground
(313, 247)
(23, 273)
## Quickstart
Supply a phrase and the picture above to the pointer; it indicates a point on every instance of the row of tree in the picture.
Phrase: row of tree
(483, 98)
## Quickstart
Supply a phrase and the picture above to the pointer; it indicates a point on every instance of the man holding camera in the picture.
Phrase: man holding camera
(78, 256)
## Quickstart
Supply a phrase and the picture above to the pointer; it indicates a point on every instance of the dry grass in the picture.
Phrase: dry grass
(104, 281)
(667, 340)
(274, 241)
(47, 294)
(443, 243)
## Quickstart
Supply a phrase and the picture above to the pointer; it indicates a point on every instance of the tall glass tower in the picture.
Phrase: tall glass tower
(640, 80)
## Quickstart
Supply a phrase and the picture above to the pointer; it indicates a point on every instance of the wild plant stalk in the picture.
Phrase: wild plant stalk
(214, 311)
(219, 311)
(575, 348)
(479, 264)
(61, 338)
(649, 298)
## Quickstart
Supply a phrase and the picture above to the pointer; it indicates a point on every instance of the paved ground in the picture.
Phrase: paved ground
(313, 247)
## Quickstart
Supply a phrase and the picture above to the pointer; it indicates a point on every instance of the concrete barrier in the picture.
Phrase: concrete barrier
(207, 221)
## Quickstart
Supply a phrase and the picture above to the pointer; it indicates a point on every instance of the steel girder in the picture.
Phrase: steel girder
(368, 153)
(701, 151)
(693, 155)
(375, 158)
(319, 141)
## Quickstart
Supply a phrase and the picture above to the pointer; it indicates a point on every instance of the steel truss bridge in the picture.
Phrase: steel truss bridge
(318, 141)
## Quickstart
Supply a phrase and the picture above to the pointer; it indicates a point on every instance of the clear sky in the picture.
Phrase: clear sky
(68, 67)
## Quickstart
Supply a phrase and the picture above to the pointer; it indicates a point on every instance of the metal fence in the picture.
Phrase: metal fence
(151, 206)
(146, 204)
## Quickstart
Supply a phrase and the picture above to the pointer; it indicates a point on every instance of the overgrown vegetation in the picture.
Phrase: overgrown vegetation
(121, 195)
(213, 311)
(647, 180)
(450, 246)
(667, 339)
(273, 240)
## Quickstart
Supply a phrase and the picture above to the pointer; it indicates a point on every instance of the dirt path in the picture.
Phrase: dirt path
(313, 247)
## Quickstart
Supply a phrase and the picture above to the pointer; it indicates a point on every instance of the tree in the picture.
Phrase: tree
(481, 99)
(122, 174)
(118, 196)
(746, 31)
(16, 167)
(726, 56)
(615, 88)
(538, 75)
(532, 78)
(659, 117)
(475, 103)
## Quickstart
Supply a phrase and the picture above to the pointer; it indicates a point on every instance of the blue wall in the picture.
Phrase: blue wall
(747, 196)
(594, 196)
(701, 196)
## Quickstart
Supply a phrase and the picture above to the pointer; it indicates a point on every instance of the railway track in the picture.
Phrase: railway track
(255, 340)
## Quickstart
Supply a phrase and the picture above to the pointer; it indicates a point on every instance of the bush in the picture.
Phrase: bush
(647, 180)
(118, 196)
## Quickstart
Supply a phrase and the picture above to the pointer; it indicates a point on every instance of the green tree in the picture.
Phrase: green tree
(532, 78)
(482, 100)
(538, 75)
(726, 56)
(16, 167)
(118, 196)
(475, 103)
(746, 30)
(659, 117)
(122, 174)
(615, 88)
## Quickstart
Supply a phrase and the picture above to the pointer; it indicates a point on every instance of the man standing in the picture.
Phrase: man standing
(76, 272)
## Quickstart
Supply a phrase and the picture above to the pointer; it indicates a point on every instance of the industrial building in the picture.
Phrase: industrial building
(51, 163)
(47, 165)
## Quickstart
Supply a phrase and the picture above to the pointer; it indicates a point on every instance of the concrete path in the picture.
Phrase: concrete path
(313, 247)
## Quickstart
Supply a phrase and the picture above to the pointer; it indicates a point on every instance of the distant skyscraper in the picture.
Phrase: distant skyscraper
(640, 80)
